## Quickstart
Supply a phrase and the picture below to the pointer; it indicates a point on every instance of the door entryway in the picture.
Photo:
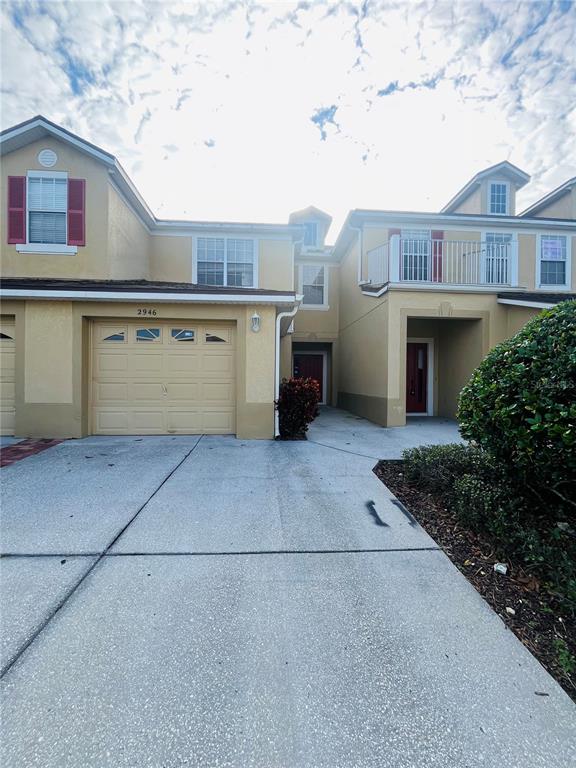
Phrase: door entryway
(311, 365)
(417, 378)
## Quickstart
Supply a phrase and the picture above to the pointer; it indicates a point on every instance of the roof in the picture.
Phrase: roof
(550, 197)
(310, 213)
(16, 287)
(535, 299)
(511, 172)
(39, 127)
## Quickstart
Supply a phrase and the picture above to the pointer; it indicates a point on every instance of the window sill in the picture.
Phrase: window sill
(55, 250)
(552, 288)
(317, 307)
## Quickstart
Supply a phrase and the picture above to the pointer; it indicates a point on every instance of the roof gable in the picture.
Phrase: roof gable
(310, 213)
(503, 170)
(551, 197)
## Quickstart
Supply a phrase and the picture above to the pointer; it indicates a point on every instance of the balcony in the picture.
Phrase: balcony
(422, 262)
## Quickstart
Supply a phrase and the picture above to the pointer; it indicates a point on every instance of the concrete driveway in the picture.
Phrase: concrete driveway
(183, 601)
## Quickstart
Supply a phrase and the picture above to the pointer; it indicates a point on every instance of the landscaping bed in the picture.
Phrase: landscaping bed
(538, 616)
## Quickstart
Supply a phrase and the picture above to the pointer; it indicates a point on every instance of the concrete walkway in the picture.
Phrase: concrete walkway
(176, 601)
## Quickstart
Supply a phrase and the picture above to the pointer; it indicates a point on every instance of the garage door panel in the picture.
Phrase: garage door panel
(183, 363)
(111, 391)
(7, 376)
(163, 385)
(111, 362)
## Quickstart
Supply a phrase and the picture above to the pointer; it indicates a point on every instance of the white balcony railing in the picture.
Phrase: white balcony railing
(443, 262)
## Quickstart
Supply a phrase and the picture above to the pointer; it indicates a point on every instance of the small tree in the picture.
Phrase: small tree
(297, 406)
(520, 406)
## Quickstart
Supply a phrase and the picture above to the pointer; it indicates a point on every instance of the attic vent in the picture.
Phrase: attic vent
(47, 158)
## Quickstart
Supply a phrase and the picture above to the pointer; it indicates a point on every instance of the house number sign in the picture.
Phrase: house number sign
(141, 311)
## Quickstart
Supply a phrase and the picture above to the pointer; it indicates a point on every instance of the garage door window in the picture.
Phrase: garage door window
(183, 334)
(116, 336)
(216, 338)
(147, 334)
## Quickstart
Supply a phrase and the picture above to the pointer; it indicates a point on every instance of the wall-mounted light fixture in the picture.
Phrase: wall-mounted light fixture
(255, 322)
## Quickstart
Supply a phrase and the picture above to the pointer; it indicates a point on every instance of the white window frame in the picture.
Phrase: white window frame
(568, 282)
(501, 182)
(409, 234)
(512, 266)
(218, 235)
(320, 235)
(47, 248)
(314, 307)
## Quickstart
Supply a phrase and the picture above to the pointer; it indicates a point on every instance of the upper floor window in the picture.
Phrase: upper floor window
(313, 284)
(498, 198)
(46, 212)
(310, 233)
(554, 260)
(415, 249)
(47, 207)
(226, 261)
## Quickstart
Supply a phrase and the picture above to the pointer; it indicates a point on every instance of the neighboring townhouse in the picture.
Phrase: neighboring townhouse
(116, 322)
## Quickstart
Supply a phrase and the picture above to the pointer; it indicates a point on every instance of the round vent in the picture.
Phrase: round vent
(47, 158)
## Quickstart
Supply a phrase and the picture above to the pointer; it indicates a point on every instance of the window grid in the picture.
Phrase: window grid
(553, 257)
(47, 206)
(498, 202)
(310, 233)
(226, 262)
(415, 254)
(313, 285)
(497, 252)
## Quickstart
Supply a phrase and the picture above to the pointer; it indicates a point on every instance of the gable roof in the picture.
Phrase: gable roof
(550, 197)
(40, 127)
(511, 172)
(310, 213)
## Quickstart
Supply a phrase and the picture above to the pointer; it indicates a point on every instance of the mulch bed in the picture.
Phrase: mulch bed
(540, 621)
(12, 453)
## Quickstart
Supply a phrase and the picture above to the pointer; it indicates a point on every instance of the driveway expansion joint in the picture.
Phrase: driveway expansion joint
(21, 650)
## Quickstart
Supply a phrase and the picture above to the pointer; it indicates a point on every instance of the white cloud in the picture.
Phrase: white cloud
(209, 106)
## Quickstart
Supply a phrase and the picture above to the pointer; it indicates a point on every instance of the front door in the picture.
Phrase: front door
(416, 377)
(310, 366)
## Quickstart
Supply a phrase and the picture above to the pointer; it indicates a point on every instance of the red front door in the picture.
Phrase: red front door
(310, 367)
(416, 377)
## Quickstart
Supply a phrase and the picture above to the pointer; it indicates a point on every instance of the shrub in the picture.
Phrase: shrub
(297, 406)
(520, 406)
(435, 467)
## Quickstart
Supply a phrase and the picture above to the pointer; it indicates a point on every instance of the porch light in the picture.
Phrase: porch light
(255, 322)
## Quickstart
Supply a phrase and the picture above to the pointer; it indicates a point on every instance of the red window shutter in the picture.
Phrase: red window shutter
(16, 209)
(437, 253)
(76, 212)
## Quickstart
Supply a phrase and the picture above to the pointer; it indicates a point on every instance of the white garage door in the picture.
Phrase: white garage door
(163, 378)
(7, 376)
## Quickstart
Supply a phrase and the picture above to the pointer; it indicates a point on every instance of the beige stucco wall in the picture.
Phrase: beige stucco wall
(319, 324)
(477, 200)
(472, 204)
(171, 258)
(128, 241)
(92, 260)
(276, 265)
(53, 362)
(562, 208)
(517, 317)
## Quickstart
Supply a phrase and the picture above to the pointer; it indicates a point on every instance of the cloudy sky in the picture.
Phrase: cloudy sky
(247, 111)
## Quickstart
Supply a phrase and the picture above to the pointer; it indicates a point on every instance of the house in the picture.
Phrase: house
(117, 322)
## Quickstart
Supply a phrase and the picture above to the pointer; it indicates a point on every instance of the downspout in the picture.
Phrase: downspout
(279, 317)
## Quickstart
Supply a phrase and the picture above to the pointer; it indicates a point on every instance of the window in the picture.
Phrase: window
(553, 260)
(226, 262)
(498, 198)
(183, 334)
(147, 334)
(415, 254)
(213, 338)
(498, 252)
(313, 284)
(310, 233)
(47, 205)
(119, 336)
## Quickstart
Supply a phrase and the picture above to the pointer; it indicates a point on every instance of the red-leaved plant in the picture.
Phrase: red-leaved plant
(297, 406)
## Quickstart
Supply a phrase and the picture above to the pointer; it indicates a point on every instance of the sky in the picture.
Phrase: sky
(246, 111)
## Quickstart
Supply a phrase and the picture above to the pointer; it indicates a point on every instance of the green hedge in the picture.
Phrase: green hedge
(520, 406)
